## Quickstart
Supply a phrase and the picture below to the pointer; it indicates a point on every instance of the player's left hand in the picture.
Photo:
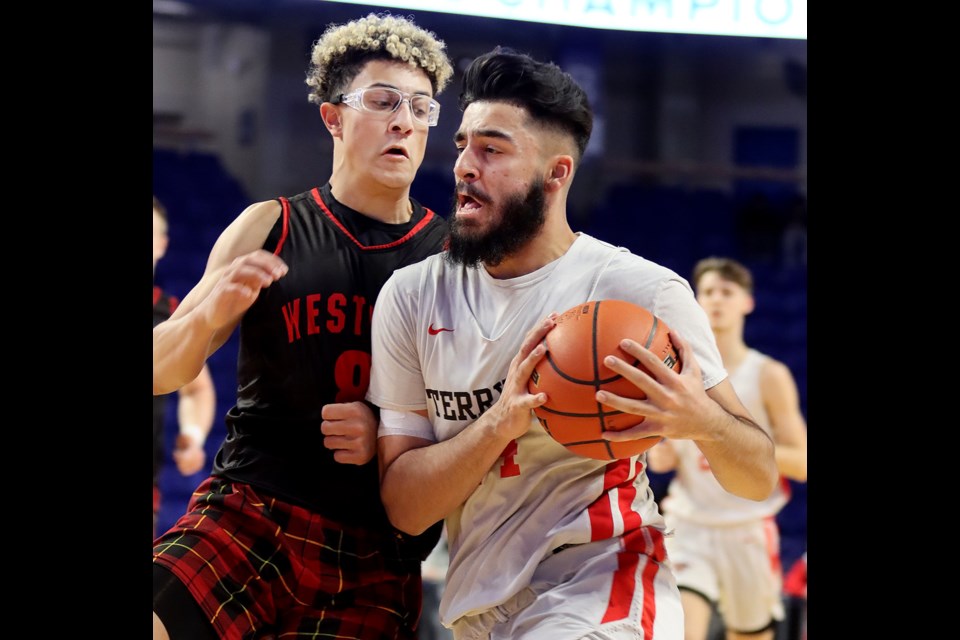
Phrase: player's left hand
(676, 405)
(350, 430)
(189, 455)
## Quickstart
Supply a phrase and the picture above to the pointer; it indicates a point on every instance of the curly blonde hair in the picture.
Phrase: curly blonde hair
(342, 51)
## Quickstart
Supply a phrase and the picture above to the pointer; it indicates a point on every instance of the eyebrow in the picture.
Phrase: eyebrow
(390, 86)
(460, 136)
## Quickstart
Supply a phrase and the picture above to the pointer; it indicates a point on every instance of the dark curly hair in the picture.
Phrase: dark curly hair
(550, 95)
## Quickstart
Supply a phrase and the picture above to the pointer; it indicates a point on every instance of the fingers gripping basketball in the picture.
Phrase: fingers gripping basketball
(573, 371)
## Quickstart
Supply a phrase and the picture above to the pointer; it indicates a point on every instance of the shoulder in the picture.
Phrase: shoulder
(626, 260)
(774, 375)
(766, 362)
(258, 212)
(248, 232)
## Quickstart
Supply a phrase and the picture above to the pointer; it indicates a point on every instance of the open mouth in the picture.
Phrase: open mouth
(396, 151)
(467, 203)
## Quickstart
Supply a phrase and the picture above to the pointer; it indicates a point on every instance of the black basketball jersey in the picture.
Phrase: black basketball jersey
(305, 343)
(163, 307)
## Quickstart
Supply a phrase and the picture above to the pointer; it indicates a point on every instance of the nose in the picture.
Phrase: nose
(464, 168)
(402, 118)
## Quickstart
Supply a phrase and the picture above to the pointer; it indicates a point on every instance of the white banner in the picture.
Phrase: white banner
(757, 18)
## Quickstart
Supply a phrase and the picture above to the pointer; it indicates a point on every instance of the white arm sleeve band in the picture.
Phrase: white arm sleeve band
(405, 423)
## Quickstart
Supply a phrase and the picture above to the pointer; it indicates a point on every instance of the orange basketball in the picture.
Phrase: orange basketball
(573, 371)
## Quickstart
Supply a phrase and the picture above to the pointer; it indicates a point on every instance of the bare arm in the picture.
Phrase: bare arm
(782, 402)
(236, 271)
(421, 482)
(740, 453)
(196, 405)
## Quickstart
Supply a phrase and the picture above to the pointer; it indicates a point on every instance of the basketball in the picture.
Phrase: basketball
(573, 371)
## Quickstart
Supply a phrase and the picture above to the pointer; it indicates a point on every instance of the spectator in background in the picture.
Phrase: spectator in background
(196, 400)
(726, 550)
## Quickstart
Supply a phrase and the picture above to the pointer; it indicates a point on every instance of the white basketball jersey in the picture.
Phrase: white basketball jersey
(694, 493)
(443, 338)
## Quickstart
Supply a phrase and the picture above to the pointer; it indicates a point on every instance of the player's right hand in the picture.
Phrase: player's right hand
(239, 284)
(512, 409)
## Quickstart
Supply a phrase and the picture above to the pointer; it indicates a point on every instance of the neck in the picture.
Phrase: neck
(552, 242)
(532, 257)
(732, 347)
(391, 205)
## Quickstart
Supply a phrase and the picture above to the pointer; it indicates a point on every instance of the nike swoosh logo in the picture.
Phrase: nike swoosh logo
(434, 332)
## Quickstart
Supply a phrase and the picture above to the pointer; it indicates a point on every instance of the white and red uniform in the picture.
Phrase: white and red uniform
(443, 338)
(726, 547)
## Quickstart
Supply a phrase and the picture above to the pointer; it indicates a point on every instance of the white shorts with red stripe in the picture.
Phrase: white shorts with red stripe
(736, 566)
(595, 591)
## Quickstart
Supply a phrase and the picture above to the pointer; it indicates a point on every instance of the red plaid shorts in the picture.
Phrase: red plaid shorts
(262, 568)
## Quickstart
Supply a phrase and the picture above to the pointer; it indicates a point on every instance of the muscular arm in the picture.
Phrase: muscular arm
(236, 271)
(780, 398)
(422, 482)
(739, 452)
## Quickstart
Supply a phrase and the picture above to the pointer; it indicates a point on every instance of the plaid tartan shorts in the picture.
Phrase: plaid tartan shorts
(263, 568)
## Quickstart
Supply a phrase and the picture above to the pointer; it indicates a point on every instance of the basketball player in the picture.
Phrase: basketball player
(726, 550)
(196, 400)
(288, 536)
(543, 543)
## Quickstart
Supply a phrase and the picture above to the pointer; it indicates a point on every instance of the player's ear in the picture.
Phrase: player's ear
(331, 119)
(560, 172)
(749, 305)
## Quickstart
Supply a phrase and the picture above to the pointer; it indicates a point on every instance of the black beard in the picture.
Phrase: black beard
(521, 218)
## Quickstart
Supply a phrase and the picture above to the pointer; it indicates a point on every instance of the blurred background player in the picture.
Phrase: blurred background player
(288, 536)
(196, 400)
(726, 550)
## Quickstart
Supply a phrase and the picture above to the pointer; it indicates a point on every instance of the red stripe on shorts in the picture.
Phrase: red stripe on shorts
(649, 600)
(621, 591)
(772, 535)
(639, 542)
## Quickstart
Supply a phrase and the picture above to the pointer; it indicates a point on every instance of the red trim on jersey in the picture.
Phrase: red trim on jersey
(626, 493)
(785, 485)
(428, 216)
(617, 474)
(646, 541)
(156, 295)
(286, 225)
